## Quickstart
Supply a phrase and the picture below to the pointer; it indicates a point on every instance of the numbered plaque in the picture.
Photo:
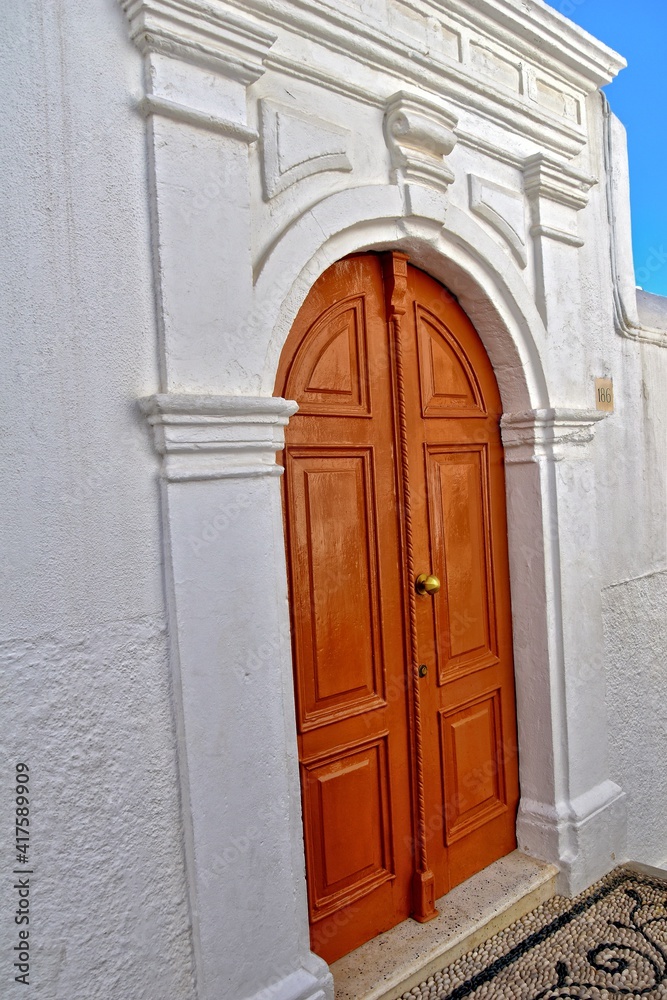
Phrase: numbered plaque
(604, 394)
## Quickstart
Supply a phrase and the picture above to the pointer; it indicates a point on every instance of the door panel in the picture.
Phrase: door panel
(461, 544)
(339, 570)
(394, 461)
(472, 771)
(448, 383)
(331, 372)
(352, 846)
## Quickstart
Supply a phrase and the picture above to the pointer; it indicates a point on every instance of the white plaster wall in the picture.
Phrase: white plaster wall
(630, 482)
(636, 636)
(633, 501)
(85, 687)
(629, 474)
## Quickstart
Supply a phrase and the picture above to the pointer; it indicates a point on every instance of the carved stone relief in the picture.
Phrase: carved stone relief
(296, 145)
(419, 134)
(504, 210)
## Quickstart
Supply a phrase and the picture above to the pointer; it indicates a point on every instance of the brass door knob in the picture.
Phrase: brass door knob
(425, 584)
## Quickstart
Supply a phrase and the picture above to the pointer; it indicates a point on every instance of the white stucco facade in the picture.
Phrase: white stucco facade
(178, 173)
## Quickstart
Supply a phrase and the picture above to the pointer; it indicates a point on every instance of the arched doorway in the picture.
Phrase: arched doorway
(405, 694)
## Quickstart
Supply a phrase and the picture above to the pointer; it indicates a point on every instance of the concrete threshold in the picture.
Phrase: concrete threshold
(394, 962)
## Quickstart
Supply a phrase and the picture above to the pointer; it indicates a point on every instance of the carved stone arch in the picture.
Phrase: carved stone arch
(459, 254)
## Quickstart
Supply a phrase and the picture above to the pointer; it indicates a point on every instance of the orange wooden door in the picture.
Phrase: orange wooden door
(393, 465)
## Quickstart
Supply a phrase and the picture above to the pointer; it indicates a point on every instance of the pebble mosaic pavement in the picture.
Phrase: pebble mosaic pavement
(611, 941)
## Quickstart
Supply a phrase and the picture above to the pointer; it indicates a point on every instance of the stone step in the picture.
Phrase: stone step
(394, 962)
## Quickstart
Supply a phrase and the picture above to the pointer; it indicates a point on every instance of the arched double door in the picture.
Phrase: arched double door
(405, 699)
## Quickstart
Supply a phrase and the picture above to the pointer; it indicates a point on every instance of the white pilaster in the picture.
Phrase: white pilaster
(556, 193)
(199, 61)
(233, 697)
(571, 813)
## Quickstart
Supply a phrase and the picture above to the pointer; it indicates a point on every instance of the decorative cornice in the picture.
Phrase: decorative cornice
(545, 177)
(563, 46)
(548, 181)
(553, 434)
(201, 33)
(482, 145)
(419, 134)
(217, 437)
(556, 64)
(296, 69)
(152, 105)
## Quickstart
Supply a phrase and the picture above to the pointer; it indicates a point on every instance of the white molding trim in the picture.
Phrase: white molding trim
(217, 437)
(200, 33)
(598, 815)
(563, 47)
(482, 192)
(546, 177)
(626, 317)
(326, 147)
(559, 235)
(419, 135)
(555, 192)
(306, 983)
(153, 105)
(586, 64)
(555, 434)
(481, 145)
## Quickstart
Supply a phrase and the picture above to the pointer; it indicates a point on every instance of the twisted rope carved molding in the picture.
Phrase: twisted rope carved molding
(396, 278)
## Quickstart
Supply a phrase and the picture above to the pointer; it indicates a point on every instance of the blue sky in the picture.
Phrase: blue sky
(638, 30)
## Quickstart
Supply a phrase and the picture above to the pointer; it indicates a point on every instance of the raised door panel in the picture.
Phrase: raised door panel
(465, 625)
(334, 546)
(330, 372)
(471, 744)
(347, 825)
(448, 384)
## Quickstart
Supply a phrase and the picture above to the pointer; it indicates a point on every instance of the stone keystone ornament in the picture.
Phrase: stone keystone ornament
(419, 134)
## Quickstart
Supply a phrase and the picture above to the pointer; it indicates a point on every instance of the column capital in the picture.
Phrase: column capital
(200, 33)
(217, 437)
(547, 177)
(554, 434)
(419, 134)
(550, 183)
